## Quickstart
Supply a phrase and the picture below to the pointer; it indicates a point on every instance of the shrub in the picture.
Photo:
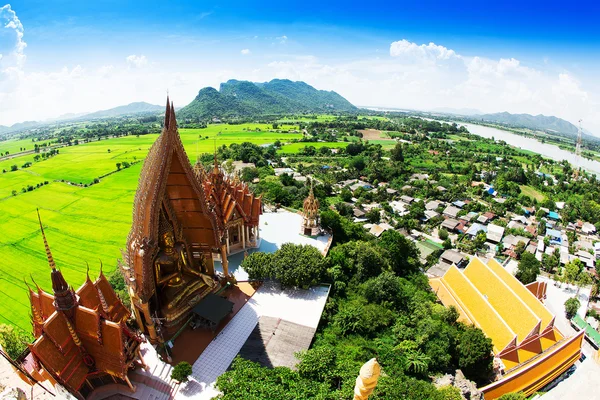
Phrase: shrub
(571, 307)
(181, 372)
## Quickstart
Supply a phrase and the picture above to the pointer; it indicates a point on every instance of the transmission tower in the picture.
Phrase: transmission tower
(578, 151)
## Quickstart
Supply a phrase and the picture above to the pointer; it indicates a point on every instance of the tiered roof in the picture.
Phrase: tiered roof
(522, 330)
(229, 197)
(167, 185)
(82, 332)
(311, 205)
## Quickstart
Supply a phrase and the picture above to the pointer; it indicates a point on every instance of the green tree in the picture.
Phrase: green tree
(259, 265)
(181, 372)
(317, 364)
(443, 234)
(520, 248)
(475, 357)
(403, 254)
(13, 341)
(346, 195)
(571, 307)
(373, 215)
(528, 269)
(572, 271)
(397, 154)
(298, 265)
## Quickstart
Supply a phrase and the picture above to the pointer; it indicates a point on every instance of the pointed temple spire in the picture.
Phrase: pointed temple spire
(172, 119)
(48, 252)
(167, 114)
(63, 294)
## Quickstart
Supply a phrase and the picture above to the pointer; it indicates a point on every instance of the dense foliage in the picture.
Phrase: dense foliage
(528, 269)
(293, 265)
(381, 306)
(13, 340)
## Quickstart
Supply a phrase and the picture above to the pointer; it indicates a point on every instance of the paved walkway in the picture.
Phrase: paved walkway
(303, 307)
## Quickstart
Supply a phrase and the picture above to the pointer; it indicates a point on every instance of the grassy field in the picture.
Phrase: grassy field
(13, 146)
(292, 148)
(87, 224)
(532, 193)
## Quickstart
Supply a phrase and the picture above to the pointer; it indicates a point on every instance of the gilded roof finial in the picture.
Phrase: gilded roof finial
(27, 284)
(48, 252)
(87, 271)
(101, 273)
(35, 283)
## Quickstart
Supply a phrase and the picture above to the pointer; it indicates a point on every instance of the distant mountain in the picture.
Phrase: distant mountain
(279, 96)
(457, 111)
(129, 109)
(539, 122)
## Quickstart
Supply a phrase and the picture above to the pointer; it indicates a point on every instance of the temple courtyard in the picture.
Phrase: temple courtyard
(276, 228)
(267, 324)
(271, 309)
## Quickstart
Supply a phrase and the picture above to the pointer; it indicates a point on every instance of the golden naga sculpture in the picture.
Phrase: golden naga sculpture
(367, 379)
(178, 279)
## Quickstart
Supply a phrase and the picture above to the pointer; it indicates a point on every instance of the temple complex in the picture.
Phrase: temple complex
(529, 349)
(183, 219)
(310, 215)
(81, 339)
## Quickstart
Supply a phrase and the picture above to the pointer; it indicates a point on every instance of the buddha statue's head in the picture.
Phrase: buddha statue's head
(168, 240)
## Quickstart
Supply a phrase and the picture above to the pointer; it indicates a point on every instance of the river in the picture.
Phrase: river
(526, 143)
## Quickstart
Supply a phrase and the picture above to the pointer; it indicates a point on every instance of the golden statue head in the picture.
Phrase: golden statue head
(168, 239)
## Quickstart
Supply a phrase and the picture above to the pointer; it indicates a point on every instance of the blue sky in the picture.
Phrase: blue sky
(534, 57)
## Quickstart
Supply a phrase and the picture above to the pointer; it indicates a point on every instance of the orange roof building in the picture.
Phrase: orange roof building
(531, 351)
(183, 219)
(81, 339)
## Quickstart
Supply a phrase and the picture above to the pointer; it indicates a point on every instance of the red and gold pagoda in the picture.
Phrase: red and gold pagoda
(183, 219)
(81, 339)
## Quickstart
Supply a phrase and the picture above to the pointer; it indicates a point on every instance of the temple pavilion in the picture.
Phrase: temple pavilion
(184, 218)
(81, 339)
(529, 349)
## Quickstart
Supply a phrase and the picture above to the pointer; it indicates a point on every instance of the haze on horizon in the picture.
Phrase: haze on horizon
(59, 57)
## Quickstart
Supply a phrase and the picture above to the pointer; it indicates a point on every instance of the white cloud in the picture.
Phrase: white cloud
(9, 19)
(282, 39)
(412, 50)
(137, 61)
(427, 76)
(417, 76)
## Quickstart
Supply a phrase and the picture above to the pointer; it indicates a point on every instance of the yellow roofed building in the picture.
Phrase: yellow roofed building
(530, 350)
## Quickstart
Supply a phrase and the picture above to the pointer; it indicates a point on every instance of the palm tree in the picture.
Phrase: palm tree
(417, 362)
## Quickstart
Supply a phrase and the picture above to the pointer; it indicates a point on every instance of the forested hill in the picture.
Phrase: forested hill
(129, 109)
(279, 96)
(539, 122)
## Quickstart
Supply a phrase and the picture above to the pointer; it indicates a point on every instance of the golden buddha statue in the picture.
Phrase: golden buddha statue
(180, 284)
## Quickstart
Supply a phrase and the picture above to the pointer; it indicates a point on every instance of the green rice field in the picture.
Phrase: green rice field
(84, 224)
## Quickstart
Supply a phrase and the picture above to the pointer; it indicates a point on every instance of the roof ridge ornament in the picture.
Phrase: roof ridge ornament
(48, 252)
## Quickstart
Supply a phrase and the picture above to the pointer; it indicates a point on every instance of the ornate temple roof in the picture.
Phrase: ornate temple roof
(311, 205)
(228, 196)
(167, 184)
(77, 332)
